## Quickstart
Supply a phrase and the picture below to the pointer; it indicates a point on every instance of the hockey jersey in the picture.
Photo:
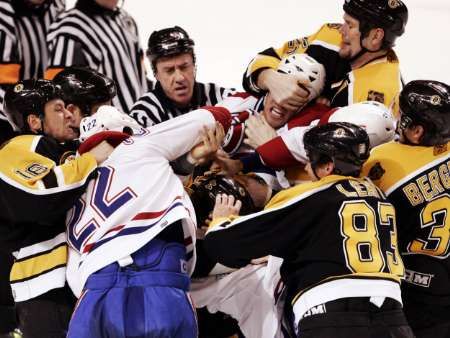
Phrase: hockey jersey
(35, 193)
(417, 181)
(349, 251)
(379, 80)
(136, 196)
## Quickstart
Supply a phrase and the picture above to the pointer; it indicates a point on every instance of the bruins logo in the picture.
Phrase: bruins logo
(67, 156)
(436, 100)
(393, 4)
(375, 96)
(439, 149)
(376, 172)
(18, 88)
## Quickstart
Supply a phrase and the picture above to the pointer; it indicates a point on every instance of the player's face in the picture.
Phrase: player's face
(177, 77)
(275, 115)
(59, 122)
(351, 38)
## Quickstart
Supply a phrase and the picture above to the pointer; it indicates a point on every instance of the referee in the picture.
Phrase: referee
(171, 53)
(104, 37)
(23, 28)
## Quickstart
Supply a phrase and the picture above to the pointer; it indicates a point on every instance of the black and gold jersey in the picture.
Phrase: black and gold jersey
(34, 187)
(38, 184)
(379, 80)
(417, 182)
(337, 229)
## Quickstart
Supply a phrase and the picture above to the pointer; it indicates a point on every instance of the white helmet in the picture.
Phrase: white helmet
(306, 67)
(373, 116)
(107, 118)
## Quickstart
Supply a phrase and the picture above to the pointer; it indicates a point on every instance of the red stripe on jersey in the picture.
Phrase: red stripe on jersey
(307, 115)
(276, 154)
(221, 115)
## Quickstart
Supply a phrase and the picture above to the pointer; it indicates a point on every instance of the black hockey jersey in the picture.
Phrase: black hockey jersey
(337, 233)
(35, 193)
(417, 182)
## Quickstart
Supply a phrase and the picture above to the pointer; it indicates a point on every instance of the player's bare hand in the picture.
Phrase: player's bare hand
(226, 206)
(226, 165)
(258, 131)
(211, 140)
(101, 151)
(285, 89)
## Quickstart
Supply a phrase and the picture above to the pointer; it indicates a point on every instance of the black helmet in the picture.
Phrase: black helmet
(346, 144)
(29, 97)
(391, 15)
(27, 8)
(169, 41)
(427, 103)
(206, 188)
(84, 87)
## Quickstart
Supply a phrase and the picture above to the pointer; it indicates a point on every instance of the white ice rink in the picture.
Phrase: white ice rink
(229, 33)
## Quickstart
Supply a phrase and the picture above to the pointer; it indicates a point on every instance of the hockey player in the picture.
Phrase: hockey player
(414, 174)
(85, 90)
(171, 54)
(132, 244)
(337, 237)
(37, 189)
(247, 294)
(358, 57)
(287, 149)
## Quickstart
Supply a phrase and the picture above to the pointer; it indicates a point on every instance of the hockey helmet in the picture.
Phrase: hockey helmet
(206, 188)
(427, 103)
(85, 87)
(391, 15)
(374, 117)
(29, 97)
(169, 42)
(107, 118)
(343, 143)
(308, 68)
(30, 7)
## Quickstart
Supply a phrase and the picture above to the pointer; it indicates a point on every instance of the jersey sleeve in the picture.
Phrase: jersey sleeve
(36, 189)
(235, 241)
(323, 46)
(177, 136)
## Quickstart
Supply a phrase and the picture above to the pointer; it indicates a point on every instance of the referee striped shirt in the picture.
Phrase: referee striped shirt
(23, 45)
(155, 107)
(105, 40)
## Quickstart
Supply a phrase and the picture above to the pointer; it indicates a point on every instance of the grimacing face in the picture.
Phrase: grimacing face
(275, 115)
(351, 38)
(176, 75)
(59, 122)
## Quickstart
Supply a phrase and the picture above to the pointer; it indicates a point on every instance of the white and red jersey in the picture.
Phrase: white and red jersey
(135, 196)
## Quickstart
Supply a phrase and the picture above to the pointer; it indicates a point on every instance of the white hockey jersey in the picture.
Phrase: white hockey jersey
(135, 196)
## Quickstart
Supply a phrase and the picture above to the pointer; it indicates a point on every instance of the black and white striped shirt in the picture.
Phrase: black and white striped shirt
(104, 40)
(23, 45)
(155, 107)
